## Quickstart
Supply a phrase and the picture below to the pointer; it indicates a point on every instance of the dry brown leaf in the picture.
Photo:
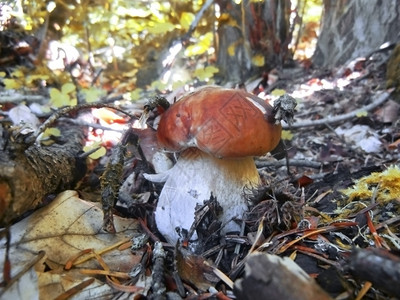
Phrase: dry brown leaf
(63, 229)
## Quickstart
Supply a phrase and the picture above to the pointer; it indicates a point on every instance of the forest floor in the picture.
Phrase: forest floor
(335, 211)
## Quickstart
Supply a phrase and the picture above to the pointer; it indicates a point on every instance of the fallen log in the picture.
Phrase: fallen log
(30, 172)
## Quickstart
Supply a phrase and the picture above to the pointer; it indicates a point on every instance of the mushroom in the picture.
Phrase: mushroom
(217, 132)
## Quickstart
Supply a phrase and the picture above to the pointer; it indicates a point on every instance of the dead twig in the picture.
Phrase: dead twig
(260, 163)
(158, 285)
(18, 98)
(379, 99)
(76, 289)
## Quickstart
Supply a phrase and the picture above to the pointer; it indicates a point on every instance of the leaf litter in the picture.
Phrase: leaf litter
(350, 201)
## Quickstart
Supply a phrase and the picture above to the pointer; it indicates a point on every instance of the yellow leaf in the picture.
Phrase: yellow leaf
(67, 88)
(51, 132)
(196, 49)
(278, 92)
(287, 135)
(12, 84)
(131, 73)
(17, 73)
(97, 154)
(226, 18)
(258, 60)
(201, 47)
(186, 19)
(231, 49)
(362, 114)
(3, 74)
(160, 28)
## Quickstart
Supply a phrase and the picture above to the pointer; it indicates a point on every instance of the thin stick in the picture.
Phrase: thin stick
(26, 268)
(121, 275)
(380, 99)
(102, 251)
(74, 290)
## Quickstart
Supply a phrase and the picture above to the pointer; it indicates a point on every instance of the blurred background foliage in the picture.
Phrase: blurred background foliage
(131, 46)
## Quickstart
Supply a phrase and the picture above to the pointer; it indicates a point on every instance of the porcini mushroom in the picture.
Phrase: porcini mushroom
(217, 132)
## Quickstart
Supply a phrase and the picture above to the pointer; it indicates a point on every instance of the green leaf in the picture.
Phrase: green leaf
(362, 114)
(206, 73)
(278, 92)
(92, 94)
(58, 99)
(68, 88)
(158, 85)
(178, 84)
(135, 95)
(287, 135)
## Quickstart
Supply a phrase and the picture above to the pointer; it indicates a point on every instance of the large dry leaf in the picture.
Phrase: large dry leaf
(62, 230)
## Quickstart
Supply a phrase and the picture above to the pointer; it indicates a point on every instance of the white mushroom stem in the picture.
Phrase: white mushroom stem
(192, 180)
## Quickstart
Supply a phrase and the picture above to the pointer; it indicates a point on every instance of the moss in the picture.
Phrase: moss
(383, 186)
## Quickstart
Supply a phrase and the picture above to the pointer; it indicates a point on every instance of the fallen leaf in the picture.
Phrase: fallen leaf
(98, 153)
(362, 136)
(287, 135)
(51, 132)
(12, 84)
(278, 92)
(205, 73)
(62, 229)
(22, 114)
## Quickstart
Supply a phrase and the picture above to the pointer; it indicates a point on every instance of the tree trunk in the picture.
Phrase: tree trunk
(354, 28)
(248, 30)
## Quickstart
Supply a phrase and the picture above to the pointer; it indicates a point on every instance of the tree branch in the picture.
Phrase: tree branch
(379, 99)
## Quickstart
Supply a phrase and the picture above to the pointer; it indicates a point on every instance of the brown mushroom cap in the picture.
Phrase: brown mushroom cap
(222, 122)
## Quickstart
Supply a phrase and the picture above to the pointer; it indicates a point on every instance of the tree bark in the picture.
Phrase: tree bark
(251, 29)
(353, 28)
(28, 175)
